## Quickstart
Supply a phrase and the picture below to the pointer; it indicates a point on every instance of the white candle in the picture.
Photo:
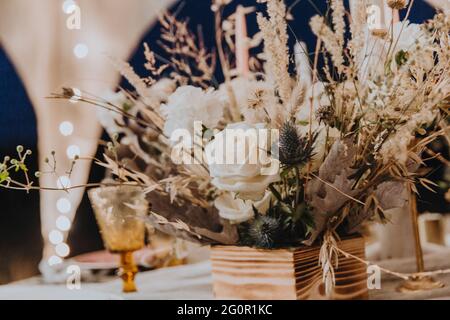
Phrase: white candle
(380, 16)
(242, 55)
(352, 4)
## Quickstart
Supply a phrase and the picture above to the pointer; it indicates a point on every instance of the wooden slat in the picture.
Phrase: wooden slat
(286, 274)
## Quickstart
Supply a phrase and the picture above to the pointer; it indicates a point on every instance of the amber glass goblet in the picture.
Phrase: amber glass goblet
(120, 212)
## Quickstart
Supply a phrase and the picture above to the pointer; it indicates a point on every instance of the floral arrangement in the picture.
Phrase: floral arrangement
(335, 147)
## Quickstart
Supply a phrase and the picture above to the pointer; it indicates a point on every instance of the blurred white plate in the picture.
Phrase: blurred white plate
(101, 260)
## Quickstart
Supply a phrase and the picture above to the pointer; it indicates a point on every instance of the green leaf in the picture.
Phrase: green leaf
(309, 220)
(309, 230)
(286, 208)
(303, 123)
(401, 57)
(300, 211)
(285, 173)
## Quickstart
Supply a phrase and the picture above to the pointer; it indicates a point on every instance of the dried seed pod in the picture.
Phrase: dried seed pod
(397, 4)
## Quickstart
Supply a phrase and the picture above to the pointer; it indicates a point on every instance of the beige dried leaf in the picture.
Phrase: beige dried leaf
(334, 188)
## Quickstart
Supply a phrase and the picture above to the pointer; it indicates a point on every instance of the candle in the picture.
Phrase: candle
(379, 16)
(352, 4)
(395, 15)
(242, 55)
(382, 12)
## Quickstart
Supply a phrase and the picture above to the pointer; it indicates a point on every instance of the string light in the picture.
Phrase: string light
(66, 128)
(73, 151)
(67, 6)
(56, 237)
(54, 260)
(81, 50)
(63, 182)
(76, 95)
(63, 223)
(63, 205)
(62, 250)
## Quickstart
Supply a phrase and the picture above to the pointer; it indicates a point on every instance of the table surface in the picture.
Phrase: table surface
(194, 281)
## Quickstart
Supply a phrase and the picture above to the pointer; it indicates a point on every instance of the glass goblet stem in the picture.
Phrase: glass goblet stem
(127, 271)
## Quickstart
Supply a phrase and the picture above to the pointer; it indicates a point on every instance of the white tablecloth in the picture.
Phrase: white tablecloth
(194, 281)
(182, 282)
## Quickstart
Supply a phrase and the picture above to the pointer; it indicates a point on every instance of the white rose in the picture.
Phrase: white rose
(189, 104)
(237, 210)
(244, 174)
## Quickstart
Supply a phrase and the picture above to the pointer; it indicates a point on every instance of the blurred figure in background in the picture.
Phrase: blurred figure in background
(39, 55)
(54, 44)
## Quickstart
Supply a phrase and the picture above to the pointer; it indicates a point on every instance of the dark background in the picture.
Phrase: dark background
(20, 235)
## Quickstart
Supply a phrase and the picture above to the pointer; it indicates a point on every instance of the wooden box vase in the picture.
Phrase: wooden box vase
(243, 273)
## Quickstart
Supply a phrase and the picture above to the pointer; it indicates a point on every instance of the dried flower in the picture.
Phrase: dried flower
(397, 4)
(252, 97)
(397, 147)
(302, 64)
(357, 26)
(274, 32)
(325, 114)
(127, 71)
(338, 21)
(192, 62)
(331, 42)
(343, 137)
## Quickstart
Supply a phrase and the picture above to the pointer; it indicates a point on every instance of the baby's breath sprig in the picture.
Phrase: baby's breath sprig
(9, 166)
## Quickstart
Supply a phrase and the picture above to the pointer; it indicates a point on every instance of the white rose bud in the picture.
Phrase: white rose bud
(237, 210)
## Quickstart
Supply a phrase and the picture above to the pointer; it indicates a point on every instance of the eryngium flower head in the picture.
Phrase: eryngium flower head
(264, 231)
(295, 149)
